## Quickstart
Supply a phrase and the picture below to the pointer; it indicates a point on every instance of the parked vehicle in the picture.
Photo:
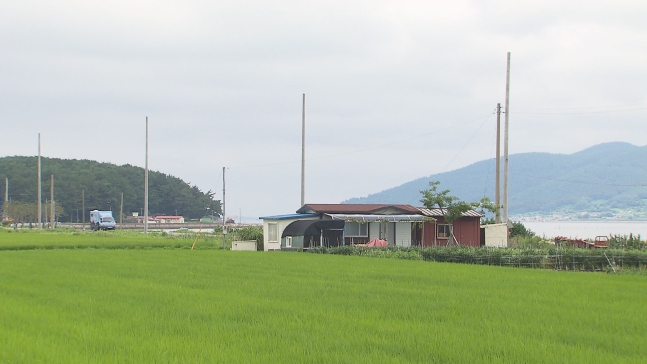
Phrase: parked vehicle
(102, 220)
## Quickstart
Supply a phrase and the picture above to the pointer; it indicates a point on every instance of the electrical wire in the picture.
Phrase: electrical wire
(373, 147)
(470, 139)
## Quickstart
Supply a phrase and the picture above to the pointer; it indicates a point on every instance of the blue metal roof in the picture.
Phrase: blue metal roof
(288, 216)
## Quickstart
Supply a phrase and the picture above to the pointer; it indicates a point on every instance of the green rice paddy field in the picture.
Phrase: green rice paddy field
(213, 306)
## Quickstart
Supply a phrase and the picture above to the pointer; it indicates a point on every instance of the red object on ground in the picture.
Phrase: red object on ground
(375, 242)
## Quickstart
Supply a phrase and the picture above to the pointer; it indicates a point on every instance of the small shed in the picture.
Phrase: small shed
(496, 235)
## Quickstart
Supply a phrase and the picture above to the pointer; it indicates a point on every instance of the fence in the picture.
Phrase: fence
(551, 258)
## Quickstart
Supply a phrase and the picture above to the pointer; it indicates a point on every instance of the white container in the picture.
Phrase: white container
(244, 245)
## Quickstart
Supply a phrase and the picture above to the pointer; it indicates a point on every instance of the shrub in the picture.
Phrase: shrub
(251, 233)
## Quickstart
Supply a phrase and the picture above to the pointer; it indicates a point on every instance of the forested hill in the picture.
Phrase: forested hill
(604, 178)
(102, 184)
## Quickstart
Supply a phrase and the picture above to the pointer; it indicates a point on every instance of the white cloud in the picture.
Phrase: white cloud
(395, 90)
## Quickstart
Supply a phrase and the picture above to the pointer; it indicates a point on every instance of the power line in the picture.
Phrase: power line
(470, 139)
(373, 147)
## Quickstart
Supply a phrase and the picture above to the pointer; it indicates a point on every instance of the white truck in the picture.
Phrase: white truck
(102, 220)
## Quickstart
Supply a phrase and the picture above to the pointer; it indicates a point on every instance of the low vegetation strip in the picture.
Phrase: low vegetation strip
(181, 306)
(118, 239)
(546, 258)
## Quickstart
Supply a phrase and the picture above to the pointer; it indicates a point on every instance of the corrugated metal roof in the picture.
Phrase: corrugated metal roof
(439, 213)
(389, 218)
(354, 208)
(288, 216)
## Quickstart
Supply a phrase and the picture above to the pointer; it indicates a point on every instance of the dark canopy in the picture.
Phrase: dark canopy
(311, 227)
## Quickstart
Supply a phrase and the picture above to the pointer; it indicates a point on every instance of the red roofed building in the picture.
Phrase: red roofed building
(169, 219)
(399, 225)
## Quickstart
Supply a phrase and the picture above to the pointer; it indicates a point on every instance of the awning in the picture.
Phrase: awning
(381, 218)
(311, 227)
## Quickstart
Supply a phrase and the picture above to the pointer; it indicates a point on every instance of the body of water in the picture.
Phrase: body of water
(586, 229)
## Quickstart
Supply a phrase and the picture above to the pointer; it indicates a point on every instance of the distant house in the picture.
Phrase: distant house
(365, 222)
(467, 229)
(273, 227)
(348, 224)
(169, 219)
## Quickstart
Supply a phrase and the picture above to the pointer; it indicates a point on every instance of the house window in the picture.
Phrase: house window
(272, 233)
(443, 231)
(355, 229)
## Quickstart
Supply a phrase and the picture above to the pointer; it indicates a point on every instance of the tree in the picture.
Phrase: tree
(451, 207)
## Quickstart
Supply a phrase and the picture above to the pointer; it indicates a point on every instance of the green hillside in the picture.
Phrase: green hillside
(604, 180)
(103, 184)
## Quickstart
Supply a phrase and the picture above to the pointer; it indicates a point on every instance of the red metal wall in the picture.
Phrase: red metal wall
(467, 231)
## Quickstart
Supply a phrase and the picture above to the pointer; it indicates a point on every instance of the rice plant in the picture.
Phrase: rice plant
(181, 306)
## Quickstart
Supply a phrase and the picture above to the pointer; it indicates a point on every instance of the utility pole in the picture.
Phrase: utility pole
(497, 188)
(121, 211)
(40, 206)
(224, 227)
(83, 208)
(303, 151)
(5, 204)
(505, 145)
(146, 184)
(51, 203)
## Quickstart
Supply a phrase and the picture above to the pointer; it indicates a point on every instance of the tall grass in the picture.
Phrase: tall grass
(546, 258)
(180, 306)
(117, 239)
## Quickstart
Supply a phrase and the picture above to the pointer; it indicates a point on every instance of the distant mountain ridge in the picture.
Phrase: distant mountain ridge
(600, 179)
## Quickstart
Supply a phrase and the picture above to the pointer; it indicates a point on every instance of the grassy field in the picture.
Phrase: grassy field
(118, 239)
(210, 306)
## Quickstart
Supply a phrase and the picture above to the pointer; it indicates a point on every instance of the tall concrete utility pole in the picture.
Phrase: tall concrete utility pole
(146, 184)
(5, 214)
(224, 219)
(505, 145)
(303, 151)
(497, 188)
(51, 202)
(83, 207)
(40, 206)
(121, 210)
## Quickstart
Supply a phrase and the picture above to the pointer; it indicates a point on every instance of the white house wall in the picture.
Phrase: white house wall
(373, 230)
(496, 235)
(281, 225)
(403, 234)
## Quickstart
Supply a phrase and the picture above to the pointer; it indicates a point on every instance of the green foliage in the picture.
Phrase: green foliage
(630, 241)
(451, 206)
(375, 252)
(29, 239)
(487, 221)
(181, 306)
(519, 229)
(530, 241)
(103, 184)
(533, 252)
(250, 233)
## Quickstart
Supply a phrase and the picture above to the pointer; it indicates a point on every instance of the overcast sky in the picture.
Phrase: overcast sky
(395, 90)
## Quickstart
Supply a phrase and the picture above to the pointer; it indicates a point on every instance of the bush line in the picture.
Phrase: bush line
(542, 258)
